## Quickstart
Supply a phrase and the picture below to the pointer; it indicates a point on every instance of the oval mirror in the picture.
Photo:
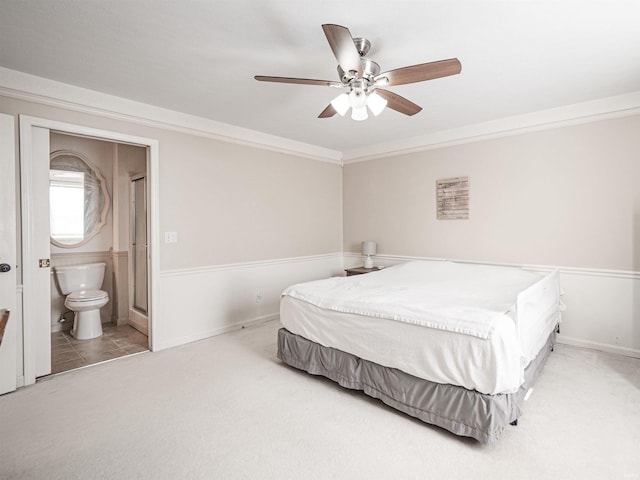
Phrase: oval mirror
(78, 199)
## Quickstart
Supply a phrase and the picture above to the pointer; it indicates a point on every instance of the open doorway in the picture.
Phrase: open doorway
(44, 303)
(96, 218)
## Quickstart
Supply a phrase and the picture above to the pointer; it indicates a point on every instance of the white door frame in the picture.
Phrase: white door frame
(29, 257)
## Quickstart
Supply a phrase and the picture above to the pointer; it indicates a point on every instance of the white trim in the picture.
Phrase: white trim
(31, 88)
(244, 265)
(601, 347)
(86, 255)
(576, 114)
(153, 169)
(599, 272)
(174, 342)
(607, 283)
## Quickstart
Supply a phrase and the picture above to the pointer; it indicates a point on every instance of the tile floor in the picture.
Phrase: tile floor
(68, 353)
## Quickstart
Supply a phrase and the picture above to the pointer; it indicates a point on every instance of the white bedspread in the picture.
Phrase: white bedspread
(461, 298)
(382, 316)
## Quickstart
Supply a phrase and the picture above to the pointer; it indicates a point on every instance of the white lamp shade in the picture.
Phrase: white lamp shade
(341, 103)
(359, 113)
(368, 248)
(376, 103)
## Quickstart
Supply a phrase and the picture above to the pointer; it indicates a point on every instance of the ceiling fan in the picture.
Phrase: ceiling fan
(362, 78)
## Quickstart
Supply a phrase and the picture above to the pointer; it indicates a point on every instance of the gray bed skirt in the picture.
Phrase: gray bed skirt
(461, 411)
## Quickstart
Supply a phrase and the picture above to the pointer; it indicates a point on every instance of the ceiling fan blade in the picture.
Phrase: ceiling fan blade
(300, 81)
(328, 112)
(420, 73)
(343, 48)
(398, 103)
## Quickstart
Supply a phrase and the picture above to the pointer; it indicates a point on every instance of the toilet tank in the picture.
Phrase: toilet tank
(80, 277)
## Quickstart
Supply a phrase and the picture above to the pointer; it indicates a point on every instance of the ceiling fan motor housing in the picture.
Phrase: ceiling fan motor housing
(369, 68)
(362, 45)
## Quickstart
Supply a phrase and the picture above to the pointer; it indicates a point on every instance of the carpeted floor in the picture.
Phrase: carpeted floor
(226, 408)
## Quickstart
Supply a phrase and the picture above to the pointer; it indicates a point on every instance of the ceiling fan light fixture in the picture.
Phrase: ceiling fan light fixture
(357, 98)
(376, 103)
(341, 104)
(359, 113)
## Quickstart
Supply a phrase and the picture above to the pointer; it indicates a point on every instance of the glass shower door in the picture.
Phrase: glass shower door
(139, 243)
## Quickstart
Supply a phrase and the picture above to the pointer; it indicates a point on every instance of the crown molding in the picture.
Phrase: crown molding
(40, 90)
(575, 114)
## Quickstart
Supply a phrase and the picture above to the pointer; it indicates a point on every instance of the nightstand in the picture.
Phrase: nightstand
(360, 270)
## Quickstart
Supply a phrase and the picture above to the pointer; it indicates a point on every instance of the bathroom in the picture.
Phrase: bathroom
(114, 235)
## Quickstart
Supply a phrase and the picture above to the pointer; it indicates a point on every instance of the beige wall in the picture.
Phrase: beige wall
(228, 202)
(563, 197)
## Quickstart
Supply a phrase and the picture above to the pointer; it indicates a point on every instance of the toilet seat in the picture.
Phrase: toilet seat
(90, 295)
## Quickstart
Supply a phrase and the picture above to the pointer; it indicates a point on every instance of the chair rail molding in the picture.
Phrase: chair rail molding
(600, 303)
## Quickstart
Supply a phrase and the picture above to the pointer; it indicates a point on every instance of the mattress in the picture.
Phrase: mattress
(473, 326)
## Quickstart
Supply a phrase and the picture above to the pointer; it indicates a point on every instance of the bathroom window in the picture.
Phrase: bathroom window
(66, 196)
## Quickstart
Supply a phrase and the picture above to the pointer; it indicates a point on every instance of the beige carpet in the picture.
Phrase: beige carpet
(226, 408)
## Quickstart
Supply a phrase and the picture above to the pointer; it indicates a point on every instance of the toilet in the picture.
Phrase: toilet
(81, 284)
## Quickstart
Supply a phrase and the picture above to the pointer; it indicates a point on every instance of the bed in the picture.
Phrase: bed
(456, 345)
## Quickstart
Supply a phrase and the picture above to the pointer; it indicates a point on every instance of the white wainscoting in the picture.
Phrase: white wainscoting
(202, 302)
(602, 312)
(602, 306)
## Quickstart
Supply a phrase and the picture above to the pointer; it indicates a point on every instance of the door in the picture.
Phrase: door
(139, 242)
(8, 256)
(36, 271)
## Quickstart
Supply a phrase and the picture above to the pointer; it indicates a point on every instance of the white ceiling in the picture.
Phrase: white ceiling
(200, 56)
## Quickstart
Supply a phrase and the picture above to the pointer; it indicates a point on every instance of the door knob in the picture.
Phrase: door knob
(5, 267)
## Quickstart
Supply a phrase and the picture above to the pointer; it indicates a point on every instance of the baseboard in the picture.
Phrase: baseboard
(601, 347)
(216, 331)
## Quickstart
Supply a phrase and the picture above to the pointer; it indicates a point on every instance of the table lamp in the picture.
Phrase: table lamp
(368, 249)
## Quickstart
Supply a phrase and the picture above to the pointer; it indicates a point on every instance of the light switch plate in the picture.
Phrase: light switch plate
(170, 237)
